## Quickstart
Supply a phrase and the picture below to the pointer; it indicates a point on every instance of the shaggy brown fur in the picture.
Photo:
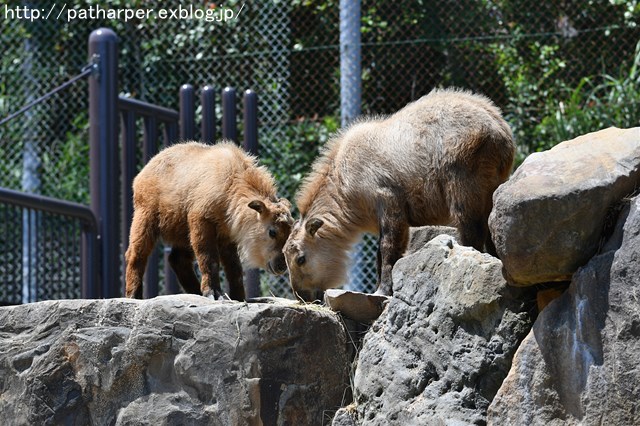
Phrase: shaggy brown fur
(211, 202)
(437, 161)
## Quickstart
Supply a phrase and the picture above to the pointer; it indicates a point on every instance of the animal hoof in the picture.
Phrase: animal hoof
(210, 294)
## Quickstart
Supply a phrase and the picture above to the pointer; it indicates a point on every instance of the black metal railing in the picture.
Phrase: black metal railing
(38, 235)
(153, 116)
(173, 124)
(104, 111)
(49, 249)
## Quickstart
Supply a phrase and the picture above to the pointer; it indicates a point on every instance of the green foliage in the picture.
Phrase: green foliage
(296, 145)
(596, 103)
(557, 85)
(530, 77)
(70, 161)
(528, 56)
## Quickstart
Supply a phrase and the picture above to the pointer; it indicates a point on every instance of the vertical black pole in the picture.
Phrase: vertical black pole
(187, 113)
(149, 149)
(250, 103)
(208, 126)
(90, 265)
(103, 136)
(229, 126)
(170, 279)
(187, 132)
(128, 163)
(171, 133)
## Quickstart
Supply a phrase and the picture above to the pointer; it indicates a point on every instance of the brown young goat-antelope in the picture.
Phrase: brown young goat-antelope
(436, 161)
(212, 203)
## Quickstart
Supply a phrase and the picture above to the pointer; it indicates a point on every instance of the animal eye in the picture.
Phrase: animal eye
(300, 260)
(272, 233)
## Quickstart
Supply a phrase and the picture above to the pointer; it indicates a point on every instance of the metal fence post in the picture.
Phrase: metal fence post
(229, 125)
(208, 126)
(128, 164)
(350, 61)
(187, 132)
(350, 103)
(149, 149)
(187, 113)
(103, 136)
(250, 114)
(90, 266)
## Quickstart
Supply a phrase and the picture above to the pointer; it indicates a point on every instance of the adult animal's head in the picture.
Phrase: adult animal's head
(316, 255)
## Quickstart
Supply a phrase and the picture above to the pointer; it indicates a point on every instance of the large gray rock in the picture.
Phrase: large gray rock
(346, 416)
(419, 236)
(579, 364)
(171, 360)
(547, 220)
(440, 350)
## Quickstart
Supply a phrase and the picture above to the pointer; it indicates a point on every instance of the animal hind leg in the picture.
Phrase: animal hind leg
(142, 240)
(473, 232)
(489, 246)
(471, 214)
(181, 261)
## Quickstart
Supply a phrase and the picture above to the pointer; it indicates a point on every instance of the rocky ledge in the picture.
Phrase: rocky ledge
(171, 360)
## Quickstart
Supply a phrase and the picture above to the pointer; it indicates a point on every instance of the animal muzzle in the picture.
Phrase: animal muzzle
(277, 265)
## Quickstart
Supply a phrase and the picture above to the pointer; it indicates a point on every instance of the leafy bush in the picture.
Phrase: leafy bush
(69, 160)
(596, 103)
(293, 148)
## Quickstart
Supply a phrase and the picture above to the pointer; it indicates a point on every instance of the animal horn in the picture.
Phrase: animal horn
(285, 202)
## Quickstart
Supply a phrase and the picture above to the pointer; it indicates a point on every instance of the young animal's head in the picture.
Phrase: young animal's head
(264, 231)
(316, 255)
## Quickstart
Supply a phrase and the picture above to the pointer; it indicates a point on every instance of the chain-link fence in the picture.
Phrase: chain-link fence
(536, 60)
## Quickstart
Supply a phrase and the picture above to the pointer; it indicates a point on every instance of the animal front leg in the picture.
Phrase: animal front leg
(232, 269)
(394, 237)
(203, 238)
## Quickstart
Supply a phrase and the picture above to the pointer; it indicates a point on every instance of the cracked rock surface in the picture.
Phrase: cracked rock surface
(579, 363)
(170, 360)
(441, 349)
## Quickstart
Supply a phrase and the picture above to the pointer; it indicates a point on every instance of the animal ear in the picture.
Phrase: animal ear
(313, 225)
(257, 205)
